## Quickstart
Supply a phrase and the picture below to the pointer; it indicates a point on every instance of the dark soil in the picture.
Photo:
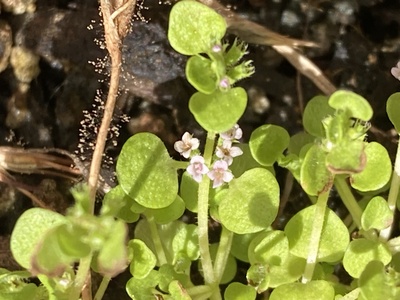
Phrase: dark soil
(359, 43)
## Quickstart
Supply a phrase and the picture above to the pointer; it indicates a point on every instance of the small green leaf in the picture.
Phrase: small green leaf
(240, 245)
(200, 74)
(376, 283)
(267, 143)
(177, 291)
(30, 228)
(363, 251)
(347, 157)
(189, 191)
(258, 277)
(112, 259)
(219, 111)
(393, 110)
(245, 162)
(334, 236)
(315, 178)
(313, 290)
(143, 259)
(298, 141)
(168, 274)
(315, 111)
(356, 104)
(290, 271)
(377, 214)
(117, 203)
(144, 171)
(270, 247)
(377, 171)
(167, 214)
(143, 288)
(194, 27)
(251, 202)
(186, 240)
(48, 257)
(239, 291)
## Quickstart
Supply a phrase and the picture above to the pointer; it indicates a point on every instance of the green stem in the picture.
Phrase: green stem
(348, 199)
(161, 257)
(318, 222)
(393, 194)
(202, 215)
(81, 274)
(223, 251)
(199, 291)
(102, 288)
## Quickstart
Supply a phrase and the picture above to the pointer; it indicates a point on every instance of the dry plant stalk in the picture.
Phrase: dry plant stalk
(117, 15)
(53, 162)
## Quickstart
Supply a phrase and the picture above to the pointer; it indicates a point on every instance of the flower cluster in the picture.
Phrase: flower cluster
(220, 172)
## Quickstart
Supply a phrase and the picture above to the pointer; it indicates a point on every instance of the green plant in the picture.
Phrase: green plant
(234, 184)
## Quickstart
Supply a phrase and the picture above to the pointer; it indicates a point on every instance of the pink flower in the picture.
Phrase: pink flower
(396, 71)
(235, 133)
(226, 152)
(186, 145)
(197, 168)
(220, 173)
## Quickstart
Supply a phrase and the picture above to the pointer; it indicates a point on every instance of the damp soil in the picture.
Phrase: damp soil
(48, 91)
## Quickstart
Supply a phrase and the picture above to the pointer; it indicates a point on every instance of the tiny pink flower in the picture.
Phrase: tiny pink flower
(226, 152)
(235, 133)
(396, 71)
(216, 48)
(197, 168)
(186, 145)
(224, 83)
(220, 173)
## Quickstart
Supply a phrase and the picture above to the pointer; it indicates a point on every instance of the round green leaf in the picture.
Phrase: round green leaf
(361, 252)
(315, 177)
(358, 106)
(376, 283)
(143, 259)
(30, 228)
(377, 214)
(298, 141)
(251, 202)
(168, 214)
(194, 27)
(313, 290)
(393, 110)
(177, 291)
(118, 204)
(143, 288)
(112, 258)
(240, 245)
(271, 247)
(186, 241)
(200, 74)
(144, 171)
(267, 143)
(189, 191)
(239, 291)
(219, 111)
(245, 161)
(334, 237)
(377, 171)
(290, 271)
(316, 110)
